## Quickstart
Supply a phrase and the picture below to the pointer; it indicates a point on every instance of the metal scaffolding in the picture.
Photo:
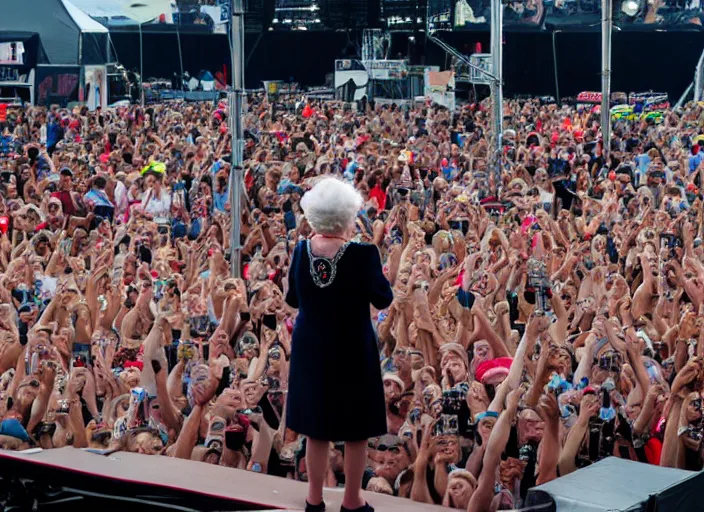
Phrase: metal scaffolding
(236, 104)
(494, 77)
(606, 30)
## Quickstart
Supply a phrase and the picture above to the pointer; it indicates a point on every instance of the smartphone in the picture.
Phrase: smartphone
(31, 363)
(415, 415)
(81, 356)
(66, 246)
(63, 407)
(245, 316)
(235, 437)
(269, 321)
(215, 432)
(138, 405)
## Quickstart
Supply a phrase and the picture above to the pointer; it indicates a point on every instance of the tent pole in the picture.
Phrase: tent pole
(236, 103)
(606, 30)
(497, 87)
(180, 53)
(141, 67)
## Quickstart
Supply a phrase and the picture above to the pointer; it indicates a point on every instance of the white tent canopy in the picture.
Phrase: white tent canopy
(85, 23)
(140, 11)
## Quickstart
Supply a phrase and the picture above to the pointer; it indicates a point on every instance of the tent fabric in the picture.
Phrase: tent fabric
(622, 485)
(58, 31)
(85, 23)
(141, 12)
(34, 52)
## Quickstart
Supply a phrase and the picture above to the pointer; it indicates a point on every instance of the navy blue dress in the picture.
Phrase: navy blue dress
(335, 388)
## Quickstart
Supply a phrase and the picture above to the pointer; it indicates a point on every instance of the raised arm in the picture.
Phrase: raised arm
(484, 494)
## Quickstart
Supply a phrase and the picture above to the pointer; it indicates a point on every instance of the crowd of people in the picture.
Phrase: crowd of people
(543, 317)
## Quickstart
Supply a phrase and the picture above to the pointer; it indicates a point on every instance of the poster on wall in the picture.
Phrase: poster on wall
(57, 85)
(351, 79)
(96, 86)
(440, 87)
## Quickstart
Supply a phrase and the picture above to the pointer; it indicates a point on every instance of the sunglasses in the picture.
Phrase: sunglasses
(610, 363)
(32, 383)
(394, 448)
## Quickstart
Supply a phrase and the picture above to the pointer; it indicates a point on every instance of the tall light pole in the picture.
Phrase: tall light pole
(236, 104)
(497, 86)
(606, 30)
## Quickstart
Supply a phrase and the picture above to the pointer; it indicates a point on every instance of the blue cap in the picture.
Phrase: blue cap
(13, 428)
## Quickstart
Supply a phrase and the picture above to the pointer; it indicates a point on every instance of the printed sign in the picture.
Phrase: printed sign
(57, 85)
(386, 69)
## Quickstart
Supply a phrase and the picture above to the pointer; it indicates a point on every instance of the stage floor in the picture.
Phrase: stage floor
(267, 492)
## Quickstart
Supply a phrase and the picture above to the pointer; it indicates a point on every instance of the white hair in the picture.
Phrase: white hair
(331, 206)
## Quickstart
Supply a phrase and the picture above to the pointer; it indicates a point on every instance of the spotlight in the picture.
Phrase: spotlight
(275, 20)
(411, 39)
(630, 8)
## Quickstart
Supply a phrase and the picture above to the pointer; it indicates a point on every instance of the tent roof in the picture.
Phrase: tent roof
(59, 24)
(140, 11)
(85, 23)
(618, 484)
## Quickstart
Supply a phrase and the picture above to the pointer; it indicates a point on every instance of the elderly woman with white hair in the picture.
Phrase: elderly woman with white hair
(335, 387)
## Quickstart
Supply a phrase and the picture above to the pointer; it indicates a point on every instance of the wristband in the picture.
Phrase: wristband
(486, 414)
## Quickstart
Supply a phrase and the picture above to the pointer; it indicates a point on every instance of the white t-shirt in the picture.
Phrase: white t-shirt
(545, 197)
(121, 201)
(158, 207)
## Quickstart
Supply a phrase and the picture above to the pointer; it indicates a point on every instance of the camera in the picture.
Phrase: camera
(527, 453)
(538, 290)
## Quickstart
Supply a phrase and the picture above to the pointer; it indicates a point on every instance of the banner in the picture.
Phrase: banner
(651, 101)
(95, 87)
(386, 69)
(57, 85)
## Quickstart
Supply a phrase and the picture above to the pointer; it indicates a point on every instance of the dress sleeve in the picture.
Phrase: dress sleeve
(380, 294)
(291, 294)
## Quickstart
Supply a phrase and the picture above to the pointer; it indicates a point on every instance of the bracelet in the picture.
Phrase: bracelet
(485, 414)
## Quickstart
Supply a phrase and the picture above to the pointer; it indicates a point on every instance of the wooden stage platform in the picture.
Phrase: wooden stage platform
(159, 475)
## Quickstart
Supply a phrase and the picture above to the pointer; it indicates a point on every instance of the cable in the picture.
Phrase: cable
(63, 500)
(130, 500)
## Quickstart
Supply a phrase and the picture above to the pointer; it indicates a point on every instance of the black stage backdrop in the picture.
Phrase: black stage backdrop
(642, 60)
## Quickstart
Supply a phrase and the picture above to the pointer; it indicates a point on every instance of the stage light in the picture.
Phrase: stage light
(314, 8)
(630, 8)
(408, 19)
(411, 39)
(275, 20)
(316, 20)
(288, 21)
